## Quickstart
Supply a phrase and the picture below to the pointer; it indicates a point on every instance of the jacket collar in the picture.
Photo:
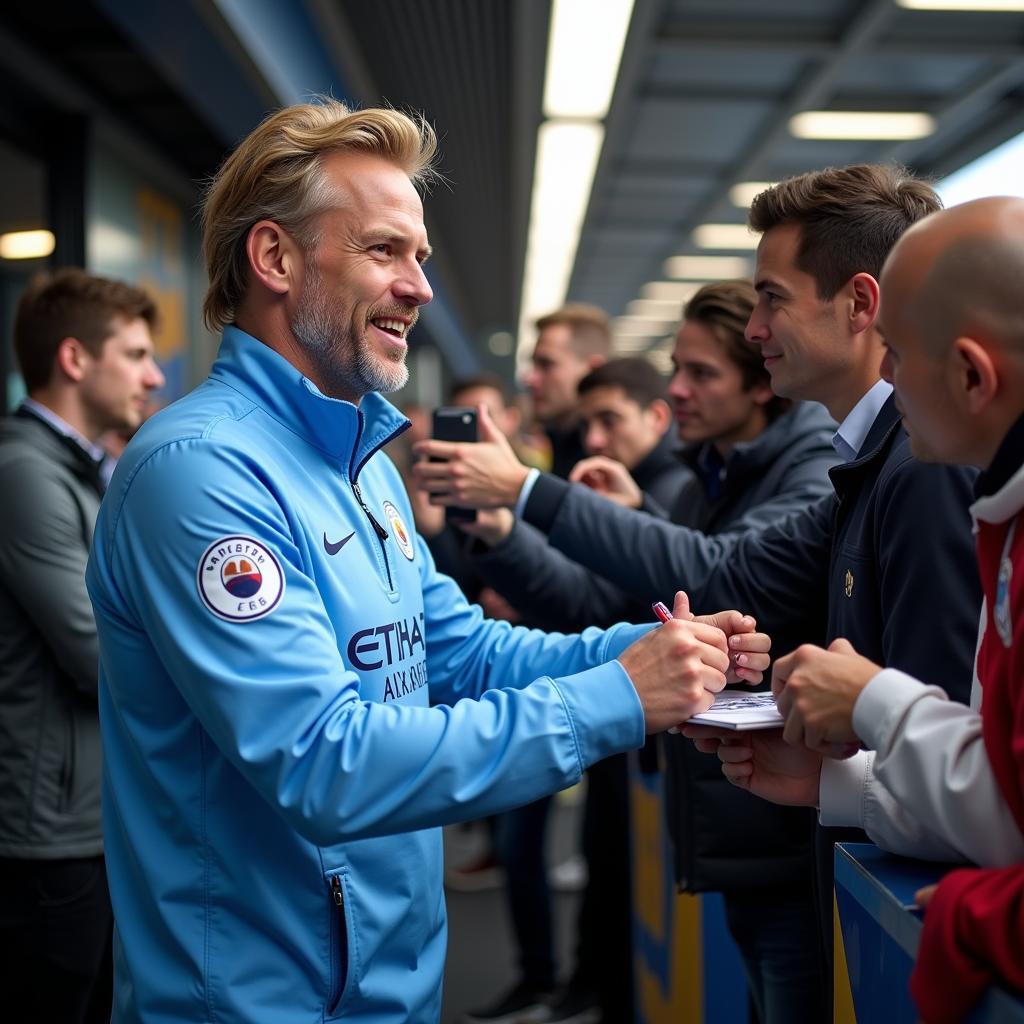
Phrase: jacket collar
(876, 445)
(338, 428)
(760, 451)
(661, 457)
(1000, 489)
(62, 447)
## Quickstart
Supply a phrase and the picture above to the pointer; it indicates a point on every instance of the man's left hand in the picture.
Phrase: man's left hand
(748, 650)
(482, 474)
(816, 691)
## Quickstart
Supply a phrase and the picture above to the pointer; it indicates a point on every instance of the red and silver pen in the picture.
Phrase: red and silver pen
(661, 610)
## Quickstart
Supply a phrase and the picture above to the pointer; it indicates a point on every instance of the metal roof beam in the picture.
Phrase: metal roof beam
(813, 89)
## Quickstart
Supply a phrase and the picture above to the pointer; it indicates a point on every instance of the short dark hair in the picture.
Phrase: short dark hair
(481, 380)
(71, 304)
(849, 217)
(636, 376)
(724, 308)
(590, 327)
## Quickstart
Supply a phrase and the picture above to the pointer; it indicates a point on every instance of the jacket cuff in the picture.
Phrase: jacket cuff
(605, 711)
(545, 500)
(882, 706)
(841, 789)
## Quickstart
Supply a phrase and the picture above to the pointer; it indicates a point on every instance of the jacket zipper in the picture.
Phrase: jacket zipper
(382, 534)
(338, 899)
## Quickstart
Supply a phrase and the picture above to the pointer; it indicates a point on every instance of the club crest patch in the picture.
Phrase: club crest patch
(239, 579)
(402, 536)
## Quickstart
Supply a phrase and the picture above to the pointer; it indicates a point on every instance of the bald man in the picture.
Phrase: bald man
(953, 323)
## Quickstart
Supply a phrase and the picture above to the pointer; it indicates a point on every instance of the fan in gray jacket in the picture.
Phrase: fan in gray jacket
(84, 349)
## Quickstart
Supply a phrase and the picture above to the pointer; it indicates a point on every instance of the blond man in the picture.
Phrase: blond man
(282, 666)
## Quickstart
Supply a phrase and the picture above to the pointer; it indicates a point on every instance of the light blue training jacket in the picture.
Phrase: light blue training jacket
(281, 684)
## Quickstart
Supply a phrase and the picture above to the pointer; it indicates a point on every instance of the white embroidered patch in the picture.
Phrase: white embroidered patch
(239, 579)
(402, 537)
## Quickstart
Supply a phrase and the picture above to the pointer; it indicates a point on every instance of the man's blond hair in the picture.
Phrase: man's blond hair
(277, 174)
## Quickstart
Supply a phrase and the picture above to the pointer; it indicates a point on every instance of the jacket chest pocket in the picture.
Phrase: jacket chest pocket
(853, 596)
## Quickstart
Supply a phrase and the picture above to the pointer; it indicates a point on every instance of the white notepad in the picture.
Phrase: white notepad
(737, 710)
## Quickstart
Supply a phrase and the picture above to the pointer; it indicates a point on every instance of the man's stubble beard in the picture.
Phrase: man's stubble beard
(344, 364)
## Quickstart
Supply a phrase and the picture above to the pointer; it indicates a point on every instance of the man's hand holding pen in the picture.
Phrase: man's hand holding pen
(678, 668)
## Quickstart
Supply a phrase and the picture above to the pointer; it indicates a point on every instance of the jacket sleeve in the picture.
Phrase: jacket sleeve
(776, 574)
(931, 756)
(551, 587)
(43, 555)
(469, 654)
(277, 699)
(970, 940)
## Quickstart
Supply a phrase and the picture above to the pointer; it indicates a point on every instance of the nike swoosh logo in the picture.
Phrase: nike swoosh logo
(333, 549)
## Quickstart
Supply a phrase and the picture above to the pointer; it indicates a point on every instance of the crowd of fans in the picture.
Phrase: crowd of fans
(295, 694)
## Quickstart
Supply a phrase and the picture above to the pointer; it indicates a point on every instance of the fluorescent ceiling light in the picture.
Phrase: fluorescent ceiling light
(725, 236)
(501, 343)
(661, 309)
(707, 268)
(677, 291)
(566, 159)
(861, 124)
(631, 344)
(642, 326)
(26, 245)
(962, 5)
(584, 51)
(742, 194)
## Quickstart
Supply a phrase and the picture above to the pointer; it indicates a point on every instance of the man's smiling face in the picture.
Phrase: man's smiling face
(363, 280)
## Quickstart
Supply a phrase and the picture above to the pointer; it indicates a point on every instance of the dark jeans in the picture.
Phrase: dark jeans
(604, 954)
(604, 951)
(778, 935)
(56, 928)
(519, 846)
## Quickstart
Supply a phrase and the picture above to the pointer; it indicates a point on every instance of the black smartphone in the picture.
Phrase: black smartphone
(456, 423)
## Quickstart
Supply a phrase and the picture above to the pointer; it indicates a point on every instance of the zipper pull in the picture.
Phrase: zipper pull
(336, 893)
(380, 531)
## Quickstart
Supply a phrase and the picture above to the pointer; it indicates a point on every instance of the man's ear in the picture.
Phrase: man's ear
(976, 375)
(72, 359)
(275, 260)
(864, 294)
(660, 414)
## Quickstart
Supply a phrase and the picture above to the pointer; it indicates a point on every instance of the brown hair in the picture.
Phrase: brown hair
(590, 327)
(276, 174)
(724, 308)
(71, 304)
(636, 376)
(849, 218)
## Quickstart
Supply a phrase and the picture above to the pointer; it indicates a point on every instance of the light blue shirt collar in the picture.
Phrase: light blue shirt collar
(849, 438)
(94, 451)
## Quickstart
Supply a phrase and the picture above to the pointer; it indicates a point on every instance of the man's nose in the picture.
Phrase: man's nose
(155, 378)
(594, 440)
(413, 287)
(757, 328)
(679, 387)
